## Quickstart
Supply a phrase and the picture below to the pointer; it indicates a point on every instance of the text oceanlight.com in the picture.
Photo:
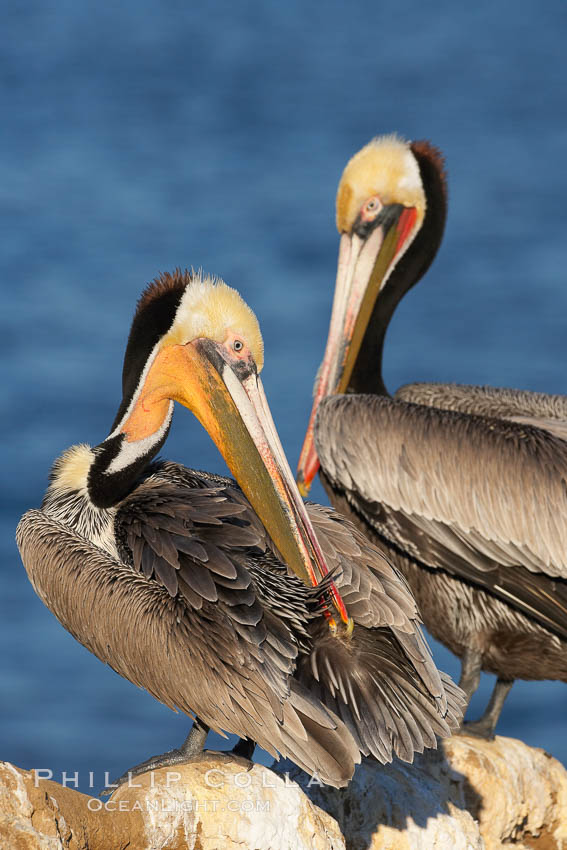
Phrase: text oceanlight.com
(174, 806)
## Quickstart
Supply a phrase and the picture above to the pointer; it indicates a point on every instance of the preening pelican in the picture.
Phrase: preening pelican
(217, 598)
(463, 487)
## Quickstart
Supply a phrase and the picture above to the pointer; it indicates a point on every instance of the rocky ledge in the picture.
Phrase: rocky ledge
(472, 794)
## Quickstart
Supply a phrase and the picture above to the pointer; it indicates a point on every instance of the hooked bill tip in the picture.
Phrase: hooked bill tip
(307, 468)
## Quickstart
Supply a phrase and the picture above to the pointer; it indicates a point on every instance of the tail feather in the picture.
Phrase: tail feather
(328, 749)
(386, 690)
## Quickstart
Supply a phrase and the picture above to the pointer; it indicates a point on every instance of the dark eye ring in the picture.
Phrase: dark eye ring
(237, 345)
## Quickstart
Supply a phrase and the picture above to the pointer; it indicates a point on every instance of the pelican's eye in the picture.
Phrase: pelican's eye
(236, 347)
(371, 208)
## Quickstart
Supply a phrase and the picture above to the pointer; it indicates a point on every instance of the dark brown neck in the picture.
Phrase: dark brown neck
(118, 465)
(367, 374)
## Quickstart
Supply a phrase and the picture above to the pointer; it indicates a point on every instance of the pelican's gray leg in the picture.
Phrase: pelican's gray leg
(471, 664)
(244, 748)
(485, 726)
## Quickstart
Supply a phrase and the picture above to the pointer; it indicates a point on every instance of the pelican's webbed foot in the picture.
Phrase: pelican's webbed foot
(191, 747)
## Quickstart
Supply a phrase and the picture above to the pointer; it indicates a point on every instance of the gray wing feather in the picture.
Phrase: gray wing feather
(501, 487)
(484, 499)
(541, 410)
(375, 593)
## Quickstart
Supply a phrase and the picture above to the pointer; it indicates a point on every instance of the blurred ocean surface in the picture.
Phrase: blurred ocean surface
(143, 136)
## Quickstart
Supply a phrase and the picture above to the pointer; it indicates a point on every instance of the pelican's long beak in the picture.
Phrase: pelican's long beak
(364, 265)
(231, 405)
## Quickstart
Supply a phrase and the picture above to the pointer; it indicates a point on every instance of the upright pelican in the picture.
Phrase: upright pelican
(216, 599)
(465, 488)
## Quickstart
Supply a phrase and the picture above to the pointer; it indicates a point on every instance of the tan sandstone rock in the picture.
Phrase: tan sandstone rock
(471, 795)
(205, 805)
(518, 793)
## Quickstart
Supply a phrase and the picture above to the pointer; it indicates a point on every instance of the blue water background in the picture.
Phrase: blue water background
(143, 136)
